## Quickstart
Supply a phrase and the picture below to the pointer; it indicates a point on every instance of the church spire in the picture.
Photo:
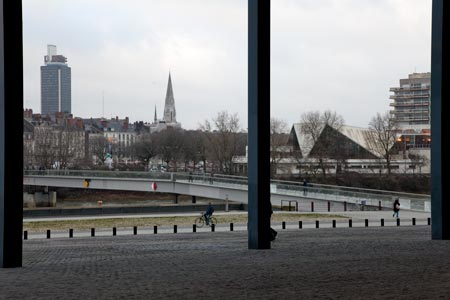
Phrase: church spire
(169, 93)
(170, 115)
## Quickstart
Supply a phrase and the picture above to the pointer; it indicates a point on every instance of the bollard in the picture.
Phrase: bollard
(312, 206)
(317, 223)
(367, 222)
(379, 205)
(92, 231)
(329, 205)
(382, 222)
(48, 233)
(194, 228)
(174, 228)
(345, 205)
(231, 226)
(414, 221)
(334, 223)
(70, 233)
(114, 231)
(350, 223)
(300, 224)
(213, 227)
(398, 222)
(283, 225)
(135, 230)
(429, 221)
(25, 235)
(155, 229)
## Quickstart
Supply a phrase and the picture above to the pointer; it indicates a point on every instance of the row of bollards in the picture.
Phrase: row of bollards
(213, 227)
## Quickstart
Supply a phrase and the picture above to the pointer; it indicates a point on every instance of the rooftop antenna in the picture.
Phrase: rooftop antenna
(103, 104)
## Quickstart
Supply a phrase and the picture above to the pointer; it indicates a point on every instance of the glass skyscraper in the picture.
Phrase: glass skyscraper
(56, 84)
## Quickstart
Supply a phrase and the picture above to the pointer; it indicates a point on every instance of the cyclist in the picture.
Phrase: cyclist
(208, 213)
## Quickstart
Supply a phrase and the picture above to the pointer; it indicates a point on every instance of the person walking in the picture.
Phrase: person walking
(273, 233)
(396, 208)
(305, 187)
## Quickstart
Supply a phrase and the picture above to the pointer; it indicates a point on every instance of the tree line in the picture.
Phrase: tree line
(215, 144)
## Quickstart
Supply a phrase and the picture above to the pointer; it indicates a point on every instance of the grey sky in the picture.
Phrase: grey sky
(342, 55)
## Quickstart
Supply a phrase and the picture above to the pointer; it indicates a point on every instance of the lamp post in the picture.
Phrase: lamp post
(226, 203)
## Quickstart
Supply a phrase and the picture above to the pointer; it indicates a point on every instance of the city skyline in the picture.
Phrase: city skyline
(338, 55)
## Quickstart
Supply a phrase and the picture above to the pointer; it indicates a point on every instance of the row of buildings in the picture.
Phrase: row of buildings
(56, 130)
(55, 138)
(353, 149)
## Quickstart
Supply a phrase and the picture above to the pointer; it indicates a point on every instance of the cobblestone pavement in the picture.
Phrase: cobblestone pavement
(325, 263)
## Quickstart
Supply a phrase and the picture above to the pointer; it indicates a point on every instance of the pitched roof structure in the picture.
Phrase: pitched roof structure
(357, 136)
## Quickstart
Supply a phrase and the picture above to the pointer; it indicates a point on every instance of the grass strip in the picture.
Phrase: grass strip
(84, 224)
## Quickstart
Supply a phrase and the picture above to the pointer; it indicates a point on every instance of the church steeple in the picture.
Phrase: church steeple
(156, 118)
(170, 115)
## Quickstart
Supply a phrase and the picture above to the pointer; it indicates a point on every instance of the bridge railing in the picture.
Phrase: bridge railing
(101, 173)
(237, 182)
(352, 195)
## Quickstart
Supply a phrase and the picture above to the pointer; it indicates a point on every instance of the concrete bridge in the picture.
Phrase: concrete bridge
(234, 188)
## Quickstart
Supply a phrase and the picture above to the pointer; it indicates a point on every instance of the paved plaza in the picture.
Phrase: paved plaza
(325, 263)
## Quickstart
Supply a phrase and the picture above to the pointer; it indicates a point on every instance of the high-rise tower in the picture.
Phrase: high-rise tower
(170, 115)
(55, 83)
(412, 101)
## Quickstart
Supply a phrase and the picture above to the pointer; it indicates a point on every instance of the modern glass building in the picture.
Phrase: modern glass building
(56, 84)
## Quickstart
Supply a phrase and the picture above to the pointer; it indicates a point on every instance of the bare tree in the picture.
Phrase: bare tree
(419, 161)
(67, 146)
(223, 139)
(384, 132)
(98, 146)
(28, 154)
(317, 144)
(44, 154)
(194, 149)
(278, 139)
(170, 146)
(145, 149)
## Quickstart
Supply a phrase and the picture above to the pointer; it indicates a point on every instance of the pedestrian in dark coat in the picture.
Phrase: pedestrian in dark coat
(396, 207)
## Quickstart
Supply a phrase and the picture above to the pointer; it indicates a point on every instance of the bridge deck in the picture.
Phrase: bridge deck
(225, 188)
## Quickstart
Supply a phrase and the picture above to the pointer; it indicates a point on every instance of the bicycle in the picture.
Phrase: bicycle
(201, 221)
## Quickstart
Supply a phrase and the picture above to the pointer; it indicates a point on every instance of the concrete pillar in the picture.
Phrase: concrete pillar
(52, 199)
(258, 124)
(11, 132)
(28, 200)
(440, 86)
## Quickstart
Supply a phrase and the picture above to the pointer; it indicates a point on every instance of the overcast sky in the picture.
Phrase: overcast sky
(340, 55)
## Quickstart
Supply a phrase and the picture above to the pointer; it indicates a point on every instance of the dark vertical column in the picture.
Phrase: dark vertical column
(11, 132)
(258, 124)
(440, 85)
